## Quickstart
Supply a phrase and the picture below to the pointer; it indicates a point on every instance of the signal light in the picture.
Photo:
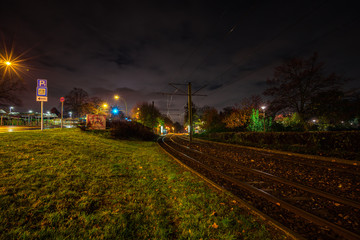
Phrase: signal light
(115, 110)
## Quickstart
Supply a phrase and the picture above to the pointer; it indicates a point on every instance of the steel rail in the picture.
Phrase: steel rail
(280, 180)
(306, 215)
(240, 201)
(310, 157)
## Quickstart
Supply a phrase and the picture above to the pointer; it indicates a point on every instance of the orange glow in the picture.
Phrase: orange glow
(11, 65)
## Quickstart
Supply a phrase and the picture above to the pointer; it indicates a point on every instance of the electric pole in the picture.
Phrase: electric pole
(190, 113)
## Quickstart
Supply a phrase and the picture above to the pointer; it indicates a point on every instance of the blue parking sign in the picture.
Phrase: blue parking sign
(42, 83)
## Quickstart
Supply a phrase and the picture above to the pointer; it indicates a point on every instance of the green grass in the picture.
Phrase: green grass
(68, 184)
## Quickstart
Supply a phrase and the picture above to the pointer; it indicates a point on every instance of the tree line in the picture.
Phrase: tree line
(299, 96)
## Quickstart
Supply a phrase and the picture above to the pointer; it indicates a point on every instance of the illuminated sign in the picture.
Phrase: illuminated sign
(97, 122)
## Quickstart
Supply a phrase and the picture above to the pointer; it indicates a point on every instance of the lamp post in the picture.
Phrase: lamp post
(104, 109)
(10, 113)
(263, 108)
(30, 113)
(117, 97)
(70, 113)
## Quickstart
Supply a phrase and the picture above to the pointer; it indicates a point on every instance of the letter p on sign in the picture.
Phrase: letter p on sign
(42, 83)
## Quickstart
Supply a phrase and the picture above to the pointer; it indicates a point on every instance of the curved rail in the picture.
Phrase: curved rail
(281, 180)
(348, 163)
(281, 203)
(326, 177)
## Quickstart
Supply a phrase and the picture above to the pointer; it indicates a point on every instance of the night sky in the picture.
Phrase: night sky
(136, 48)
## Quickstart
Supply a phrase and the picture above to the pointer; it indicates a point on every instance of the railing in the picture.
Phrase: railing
(35, 121)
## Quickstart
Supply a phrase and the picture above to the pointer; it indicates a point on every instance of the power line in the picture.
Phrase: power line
(212, 50)
(189, 94)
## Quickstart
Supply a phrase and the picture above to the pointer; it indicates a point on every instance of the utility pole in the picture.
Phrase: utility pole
(190, 113)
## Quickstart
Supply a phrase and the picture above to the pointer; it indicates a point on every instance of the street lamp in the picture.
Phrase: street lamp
(70, 113)
(11, 109)
(263, 108)
(29, 118)
(117, 97)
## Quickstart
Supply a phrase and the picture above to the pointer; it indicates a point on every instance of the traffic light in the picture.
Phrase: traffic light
(115, 111)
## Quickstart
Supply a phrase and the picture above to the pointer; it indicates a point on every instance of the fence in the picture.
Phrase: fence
(35, 121)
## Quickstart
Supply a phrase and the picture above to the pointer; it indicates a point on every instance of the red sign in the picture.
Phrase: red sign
(62, 99)
(96, 121)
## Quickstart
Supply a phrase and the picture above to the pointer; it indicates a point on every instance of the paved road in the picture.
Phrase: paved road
(4, 129)
(16, 128)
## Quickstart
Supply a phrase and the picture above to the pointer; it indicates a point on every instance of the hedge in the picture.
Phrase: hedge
(342, 144)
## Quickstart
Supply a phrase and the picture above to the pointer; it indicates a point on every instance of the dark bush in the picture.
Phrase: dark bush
(344, 144)
(131, 130)
(82, 126)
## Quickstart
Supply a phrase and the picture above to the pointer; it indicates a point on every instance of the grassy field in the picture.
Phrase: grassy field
(68, 184)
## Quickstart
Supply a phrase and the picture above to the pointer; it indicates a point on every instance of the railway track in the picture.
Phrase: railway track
(267, 182)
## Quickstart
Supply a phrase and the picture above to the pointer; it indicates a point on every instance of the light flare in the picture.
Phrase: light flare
(12, 65)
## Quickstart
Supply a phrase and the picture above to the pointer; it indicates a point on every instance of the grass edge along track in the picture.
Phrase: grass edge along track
(277, 225)
(306, 215)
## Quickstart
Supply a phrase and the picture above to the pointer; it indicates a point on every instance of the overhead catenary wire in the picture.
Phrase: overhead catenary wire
(234, 26)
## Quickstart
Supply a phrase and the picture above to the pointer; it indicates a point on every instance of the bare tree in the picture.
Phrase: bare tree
(76, 101)
(9, 89)
(297, 81)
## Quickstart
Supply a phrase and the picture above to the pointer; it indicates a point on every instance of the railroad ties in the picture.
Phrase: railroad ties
(312, 199)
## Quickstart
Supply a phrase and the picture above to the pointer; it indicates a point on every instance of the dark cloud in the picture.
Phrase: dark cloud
(214, 87)
(123, 58)
(136, 48)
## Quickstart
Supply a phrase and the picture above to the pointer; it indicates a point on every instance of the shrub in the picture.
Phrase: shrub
(342, 144)
(131, 130)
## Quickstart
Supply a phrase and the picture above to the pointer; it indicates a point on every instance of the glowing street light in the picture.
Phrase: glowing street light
(70, 113)
(263, 108)
(29, 117)
(11, 109)
(117, 97)
(12, 65)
